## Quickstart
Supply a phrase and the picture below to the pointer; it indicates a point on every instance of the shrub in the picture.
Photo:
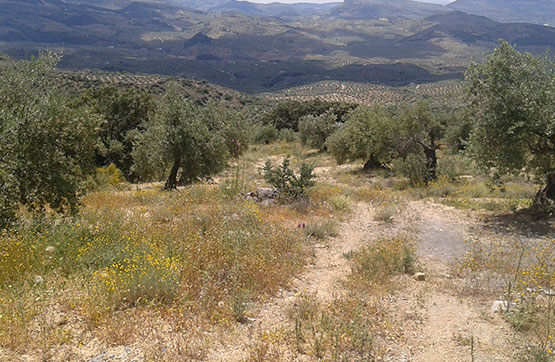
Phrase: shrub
(322, 229)
(412, 167)
(291, 186)
(106, 177)
(315, 130)
(287, 135)
(265, 134)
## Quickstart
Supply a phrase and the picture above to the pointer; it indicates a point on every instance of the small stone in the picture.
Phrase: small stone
(420, 277)
(499, 306)
(264, 193)
(267, 202)
(221, 304)
(50, 249)
(38, 279)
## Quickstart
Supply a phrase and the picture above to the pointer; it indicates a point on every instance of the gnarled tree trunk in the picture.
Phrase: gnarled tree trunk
(171, 183)
(431, 163)
(546, 196)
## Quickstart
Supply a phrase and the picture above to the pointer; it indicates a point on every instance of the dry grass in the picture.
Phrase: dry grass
(190, 252)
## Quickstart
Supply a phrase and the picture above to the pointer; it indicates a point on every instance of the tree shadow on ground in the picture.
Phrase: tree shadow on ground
(526, 222)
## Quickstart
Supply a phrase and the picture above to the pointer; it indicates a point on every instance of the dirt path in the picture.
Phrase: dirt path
(438, 325)
(453, 328)
(320, 280)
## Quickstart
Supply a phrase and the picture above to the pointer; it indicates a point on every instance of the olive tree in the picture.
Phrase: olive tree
(46, 145)
(315, 130)
(190, 141)
(124, 111)
(424, 129)
(512, 96)
(368, 134)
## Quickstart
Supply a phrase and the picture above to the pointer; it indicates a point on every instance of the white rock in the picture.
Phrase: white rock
(50, 249)
(38, 279)
(420, 277)
(499, 306)
(264, 193)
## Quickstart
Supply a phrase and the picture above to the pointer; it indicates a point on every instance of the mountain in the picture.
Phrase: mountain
(260, 53)
(286, 12)
(528, 11)
(473, 29)
(390, 9)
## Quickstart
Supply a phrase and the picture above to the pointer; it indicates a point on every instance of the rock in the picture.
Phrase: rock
(499, 306)
(542, 301)
(267, 203)
(420, 277)
(38, 279)
(264, 193)
(50, 249)
(221, 304)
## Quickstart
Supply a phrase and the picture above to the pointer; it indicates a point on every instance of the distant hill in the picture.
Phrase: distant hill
(473, 29)
(390, 9)
(528, 11)
(287, 12)
(295, 45)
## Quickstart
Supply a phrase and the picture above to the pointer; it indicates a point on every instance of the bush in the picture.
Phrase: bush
(315, 130)
(265, 134)
(322, 229)
(287, 135)
(106, 177)
(290, 186)
(412, 167)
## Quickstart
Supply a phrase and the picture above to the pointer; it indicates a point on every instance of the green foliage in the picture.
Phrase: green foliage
(412, 167)
(46, 146)
(287, 135)
(265, 134)
(315, 130)
(368, 134)
(194, 141)
(288, 114)
(106, 177)
(283, 178)
(513, 97)
(424, 128)
(124, 112)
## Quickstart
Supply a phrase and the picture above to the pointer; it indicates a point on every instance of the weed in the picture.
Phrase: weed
(375, 264)
(321, 229)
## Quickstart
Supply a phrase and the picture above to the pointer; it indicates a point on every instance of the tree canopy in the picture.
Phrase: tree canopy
(124, 112)
(46, 145)
(512, 96)
(194, 142)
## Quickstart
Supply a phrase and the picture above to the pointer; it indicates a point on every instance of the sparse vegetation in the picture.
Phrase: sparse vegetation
(325, 270)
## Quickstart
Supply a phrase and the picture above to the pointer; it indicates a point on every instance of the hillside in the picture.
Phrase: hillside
(375, 9)
(537, 12)
(472, 29)
(261, 53)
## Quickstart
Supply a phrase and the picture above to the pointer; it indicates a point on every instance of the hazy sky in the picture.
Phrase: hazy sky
(332, 1)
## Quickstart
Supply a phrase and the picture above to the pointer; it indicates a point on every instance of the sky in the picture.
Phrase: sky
(331, 1)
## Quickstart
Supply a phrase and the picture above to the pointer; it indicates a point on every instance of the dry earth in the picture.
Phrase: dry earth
(437, 324)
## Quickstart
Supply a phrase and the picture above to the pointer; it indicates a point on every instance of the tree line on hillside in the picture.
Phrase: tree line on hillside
(506, 127)
(51, 142)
